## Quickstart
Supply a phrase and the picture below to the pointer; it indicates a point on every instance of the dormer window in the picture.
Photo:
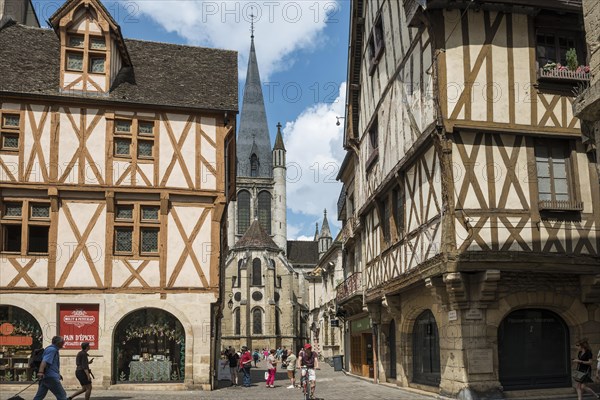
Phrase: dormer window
(93, 51)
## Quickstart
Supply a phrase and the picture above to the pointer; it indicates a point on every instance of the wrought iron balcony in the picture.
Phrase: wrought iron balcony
(352, 286)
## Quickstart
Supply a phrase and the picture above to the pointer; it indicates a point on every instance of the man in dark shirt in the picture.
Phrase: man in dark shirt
(83, 372)
(49, 373)
(234, 360)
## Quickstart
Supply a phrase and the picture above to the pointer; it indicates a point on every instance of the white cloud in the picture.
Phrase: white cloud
(314, 156)
(307, 238)
(281, 27)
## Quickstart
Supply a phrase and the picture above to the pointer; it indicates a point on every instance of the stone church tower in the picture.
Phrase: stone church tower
(262, 302)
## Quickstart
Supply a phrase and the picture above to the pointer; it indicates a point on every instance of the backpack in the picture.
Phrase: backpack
(35, 360)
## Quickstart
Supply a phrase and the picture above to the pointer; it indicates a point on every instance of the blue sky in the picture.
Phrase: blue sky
(302, 49)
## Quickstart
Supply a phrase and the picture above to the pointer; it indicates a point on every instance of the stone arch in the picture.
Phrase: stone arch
(426, 367)
(48, 329)
(160, 330)
(528, 335)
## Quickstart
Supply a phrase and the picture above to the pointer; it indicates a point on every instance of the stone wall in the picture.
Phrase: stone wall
(591, 14)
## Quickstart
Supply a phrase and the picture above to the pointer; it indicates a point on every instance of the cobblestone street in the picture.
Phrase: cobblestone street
(331, 385)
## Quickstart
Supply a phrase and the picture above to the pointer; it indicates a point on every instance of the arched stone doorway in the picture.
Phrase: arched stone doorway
(533, 350)
(426, 350)
(149, 346)
(20, 334)
(392, 348)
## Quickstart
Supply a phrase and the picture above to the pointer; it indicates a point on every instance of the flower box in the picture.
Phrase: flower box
(561, 73)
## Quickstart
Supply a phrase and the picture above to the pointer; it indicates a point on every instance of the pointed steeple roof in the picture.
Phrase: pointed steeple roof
(325, 231)
(316, 231)
(253, 123)
(256, 238)
(279, 139)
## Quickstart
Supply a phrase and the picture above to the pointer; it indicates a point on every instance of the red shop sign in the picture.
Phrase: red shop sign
(78, 324)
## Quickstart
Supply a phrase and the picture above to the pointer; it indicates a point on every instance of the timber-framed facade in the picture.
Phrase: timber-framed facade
(115, 184)
(470, 204)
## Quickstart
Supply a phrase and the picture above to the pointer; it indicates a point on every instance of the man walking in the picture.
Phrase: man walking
(245, 364)
(49, 373)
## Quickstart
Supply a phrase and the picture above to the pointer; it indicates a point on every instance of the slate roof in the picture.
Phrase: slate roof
(162, 74)
(303, 252)
(253, 132)
(256, 238)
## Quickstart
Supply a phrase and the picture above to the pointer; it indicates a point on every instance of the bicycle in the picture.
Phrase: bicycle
(304, 382)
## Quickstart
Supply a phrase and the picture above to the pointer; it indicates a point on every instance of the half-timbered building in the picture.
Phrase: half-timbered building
(470, 204)
(326, 334)
(115, 166)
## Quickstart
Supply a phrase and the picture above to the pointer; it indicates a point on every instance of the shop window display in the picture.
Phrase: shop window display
(149, 347)
(20, 334)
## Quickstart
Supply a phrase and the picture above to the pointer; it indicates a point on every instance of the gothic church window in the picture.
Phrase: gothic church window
(243, 212)
(237, 323)
(277, 322)
(264, 211)
(257, 321)
(256, 272)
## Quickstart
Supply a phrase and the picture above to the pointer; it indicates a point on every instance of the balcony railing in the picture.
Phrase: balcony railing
(563, 75)
(350, 287)
(560, 205)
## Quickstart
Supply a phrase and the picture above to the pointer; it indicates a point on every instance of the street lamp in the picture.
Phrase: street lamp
(338, 120)
(230, 302)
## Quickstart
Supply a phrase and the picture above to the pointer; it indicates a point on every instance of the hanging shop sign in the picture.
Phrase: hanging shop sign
(78, 324)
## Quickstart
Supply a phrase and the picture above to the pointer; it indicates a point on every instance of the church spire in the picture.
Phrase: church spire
(325, 231)
(253, 121)
(316, 231)
(325, 236)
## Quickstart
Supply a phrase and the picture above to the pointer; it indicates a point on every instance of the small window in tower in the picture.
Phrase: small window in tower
(254, 164)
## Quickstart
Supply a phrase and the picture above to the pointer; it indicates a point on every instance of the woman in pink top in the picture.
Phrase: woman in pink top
(271, 368)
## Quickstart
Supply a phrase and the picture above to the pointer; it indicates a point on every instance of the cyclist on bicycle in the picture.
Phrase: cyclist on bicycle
(308, 358)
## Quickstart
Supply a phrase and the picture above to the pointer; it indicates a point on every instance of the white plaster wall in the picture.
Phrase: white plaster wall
(80, 274)
(11, 163)
(68, 143)
(38, 272)
(96, 145)
(207, 179)
(202, 245)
